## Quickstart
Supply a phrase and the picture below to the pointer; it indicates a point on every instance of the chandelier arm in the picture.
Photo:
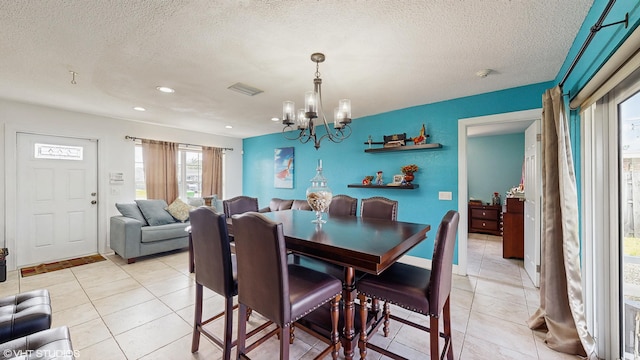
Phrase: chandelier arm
(298, 136)
(305, 137)
(343, 133)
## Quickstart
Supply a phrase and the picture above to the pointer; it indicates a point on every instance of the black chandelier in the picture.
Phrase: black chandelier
(304, 118)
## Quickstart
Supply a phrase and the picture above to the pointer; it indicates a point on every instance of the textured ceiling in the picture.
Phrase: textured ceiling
(383, 55)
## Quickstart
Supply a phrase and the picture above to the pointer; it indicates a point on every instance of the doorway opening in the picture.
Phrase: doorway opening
(477, 126)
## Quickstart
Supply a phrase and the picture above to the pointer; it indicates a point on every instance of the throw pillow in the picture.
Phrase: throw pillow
(132, 211)
(179, 209)
(154, 212)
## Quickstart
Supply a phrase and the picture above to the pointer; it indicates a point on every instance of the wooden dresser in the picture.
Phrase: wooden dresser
(486, 219)
(513, 236)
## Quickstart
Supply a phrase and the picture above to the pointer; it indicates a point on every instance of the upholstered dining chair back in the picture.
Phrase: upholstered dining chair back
(281, 292)
(442, 262)
(262, 264)
(343, 205)
(212, 253)
(379, 207)
(214, 270)
(416, 289)
(239, 205)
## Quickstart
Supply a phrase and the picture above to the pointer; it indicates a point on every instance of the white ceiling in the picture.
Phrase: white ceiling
(383, 55)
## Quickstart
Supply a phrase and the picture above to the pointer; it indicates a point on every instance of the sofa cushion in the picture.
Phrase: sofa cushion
(300, 205)
(131, 210)
(164, 232)
(179, 209)
(154, 212)
(279, 204)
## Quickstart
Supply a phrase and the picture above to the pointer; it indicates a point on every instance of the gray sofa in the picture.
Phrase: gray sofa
(146, 227)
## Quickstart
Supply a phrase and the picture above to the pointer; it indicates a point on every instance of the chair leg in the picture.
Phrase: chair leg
(335, 335)
(292, 336)
(387, 315)
(446, 312)
(197, 321)
(362, 344)
(434, 335)
(249, 311)
(375, 305)
(242, 330)
(228, 328)
(192, 265)
(284, 342)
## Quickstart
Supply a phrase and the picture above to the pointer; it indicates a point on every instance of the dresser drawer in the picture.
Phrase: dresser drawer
(484, 224)
(489, 214)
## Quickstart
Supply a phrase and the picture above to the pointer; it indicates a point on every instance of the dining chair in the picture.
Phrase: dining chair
(416, 289)
(379, 207)
(239, 205)
(215, 270)
(343, 205)
(281, 292)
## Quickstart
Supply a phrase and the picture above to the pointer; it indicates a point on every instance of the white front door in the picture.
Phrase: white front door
(532, 205)
(57, 212)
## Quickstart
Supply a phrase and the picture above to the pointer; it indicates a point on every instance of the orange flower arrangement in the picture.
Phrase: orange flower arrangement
(409, 169)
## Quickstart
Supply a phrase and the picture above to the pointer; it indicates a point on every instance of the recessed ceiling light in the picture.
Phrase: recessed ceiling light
(139, 108)
(275, 119)
(165, 89)
(229, 127)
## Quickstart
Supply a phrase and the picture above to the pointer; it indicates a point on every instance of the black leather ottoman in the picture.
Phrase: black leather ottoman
(24, 314)
(47, 344)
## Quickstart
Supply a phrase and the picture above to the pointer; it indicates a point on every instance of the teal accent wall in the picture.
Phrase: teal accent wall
(347, 163)
(494, 164)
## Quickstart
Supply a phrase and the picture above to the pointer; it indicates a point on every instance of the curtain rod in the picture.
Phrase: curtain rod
(127, 137)
(592, 32)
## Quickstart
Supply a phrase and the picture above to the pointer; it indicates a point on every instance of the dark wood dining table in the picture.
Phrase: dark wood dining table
(364, 244)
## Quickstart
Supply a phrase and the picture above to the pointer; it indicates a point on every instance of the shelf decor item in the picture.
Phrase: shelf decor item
(421, 139)
(408, 171)
(319, 195)
(367, 180)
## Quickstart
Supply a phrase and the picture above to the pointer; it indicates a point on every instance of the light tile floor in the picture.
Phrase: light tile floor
(145, 311)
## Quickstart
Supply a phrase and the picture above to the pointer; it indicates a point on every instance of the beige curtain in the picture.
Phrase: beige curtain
(561, 310)
(211, 171)
(160, 169)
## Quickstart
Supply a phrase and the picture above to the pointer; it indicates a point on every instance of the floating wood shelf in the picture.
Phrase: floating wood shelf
(399, 187)
(405, 148)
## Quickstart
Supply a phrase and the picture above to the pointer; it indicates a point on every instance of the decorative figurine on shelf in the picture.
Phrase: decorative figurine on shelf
(496, 199)
(367, 180)
(422, 138)
(408, 171)
(379, 178)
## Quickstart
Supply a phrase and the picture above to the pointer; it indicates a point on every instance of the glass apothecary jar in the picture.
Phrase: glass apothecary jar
(319, 195)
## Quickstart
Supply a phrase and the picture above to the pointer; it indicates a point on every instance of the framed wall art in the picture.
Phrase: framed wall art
(283, 167)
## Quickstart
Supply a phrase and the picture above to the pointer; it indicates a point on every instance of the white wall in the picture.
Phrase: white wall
(115, 154)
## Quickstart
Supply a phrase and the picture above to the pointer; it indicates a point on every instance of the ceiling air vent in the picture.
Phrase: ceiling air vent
(245, 89)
